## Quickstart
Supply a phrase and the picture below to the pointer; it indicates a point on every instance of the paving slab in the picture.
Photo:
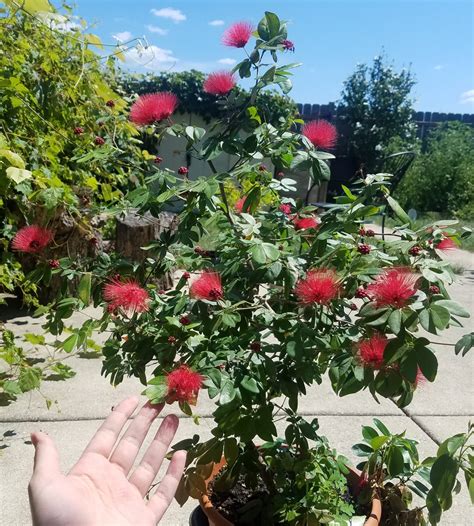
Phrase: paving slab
(16, 459)
(452, 393)
(89, 395)
(441, 428)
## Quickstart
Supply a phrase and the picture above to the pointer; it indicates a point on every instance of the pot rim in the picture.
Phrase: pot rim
(217, 519)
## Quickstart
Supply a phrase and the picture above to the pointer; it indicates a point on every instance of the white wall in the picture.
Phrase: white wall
(173, 151)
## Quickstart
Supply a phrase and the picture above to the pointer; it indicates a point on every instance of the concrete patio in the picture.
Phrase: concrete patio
(439, 410)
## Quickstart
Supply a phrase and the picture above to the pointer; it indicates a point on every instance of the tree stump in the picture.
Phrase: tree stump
(135, 231)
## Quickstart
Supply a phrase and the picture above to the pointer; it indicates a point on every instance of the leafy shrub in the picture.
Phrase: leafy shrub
(442, 178)
(65, 144)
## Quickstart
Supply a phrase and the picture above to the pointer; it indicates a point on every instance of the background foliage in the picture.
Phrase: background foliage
(442, 177)
(377, 108)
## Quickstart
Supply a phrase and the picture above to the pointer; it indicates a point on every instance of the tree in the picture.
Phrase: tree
(377, 108)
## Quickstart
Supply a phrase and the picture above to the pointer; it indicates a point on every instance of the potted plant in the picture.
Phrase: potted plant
(268, 296)
(395, 472)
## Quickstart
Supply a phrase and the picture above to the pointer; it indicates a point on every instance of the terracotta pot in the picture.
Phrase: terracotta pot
(216, 519)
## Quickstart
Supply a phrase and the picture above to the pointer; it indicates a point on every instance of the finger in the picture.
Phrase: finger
(161, 500)
(46, 464)
(146, 471)
(104, 440)
(127, 449)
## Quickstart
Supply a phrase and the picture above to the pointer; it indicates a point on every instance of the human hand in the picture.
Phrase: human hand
(98, 490)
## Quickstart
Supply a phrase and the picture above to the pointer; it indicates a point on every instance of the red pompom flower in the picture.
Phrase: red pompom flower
(238, 34)
(153, 107)
(446, 243)
(321, 133)
(370, 351)
(207, 286)
(303, 223)
(32, 239)
(239, 206)
(285, 208)
(183, 385)
(219, 83)
(393, 288)
(126, 295)
(319, 286)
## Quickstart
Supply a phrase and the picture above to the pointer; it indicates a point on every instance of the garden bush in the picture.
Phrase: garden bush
(65, 145)
(442, 178)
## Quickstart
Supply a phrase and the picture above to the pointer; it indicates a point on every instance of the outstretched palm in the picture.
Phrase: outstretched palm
(98, 490)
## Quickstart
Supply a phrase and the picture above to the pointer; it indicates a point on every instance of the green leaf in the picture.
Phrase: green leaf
(273, 23)
(70, 342)
(13, 158)
(349, 194)
(398, 210)
(94, 40)
(32, 6)
(228, 393)
(250, 384)
(35, 339)
(427, 362)
(464, 344)
(443, 477)
(453, 307)
(451, 444)
(381, 427)
(434, 508)
(11, 387)
(157, 390)
(264, 252)
(440, 316)
(395, 320)
(84, 288)
(395, 461)
(231, 450)
(378, 441)
(426, 321)
(18, 175)
(29, 379)
(409, 366)
(369, 432)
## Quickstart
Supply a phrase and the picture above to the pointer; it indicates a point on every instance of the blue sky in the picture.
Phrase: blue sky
(435, 37)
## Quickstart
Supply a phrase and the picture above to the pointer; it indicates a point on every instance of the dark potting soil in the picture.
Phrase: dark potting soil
(241, 505)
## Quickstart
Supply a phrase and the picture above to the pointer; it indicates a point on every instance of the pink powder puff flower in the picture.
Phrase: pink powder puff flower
(126, 295)
(153, 107)
(285, 208)
(319, 286)
(394, 287)
(32, 239)
(238, 34)
(446, 243)
(239, 205)
(207, 286)
(219, 83)
(304, 223)
(370, 351)
(183, 385)
(321, 134)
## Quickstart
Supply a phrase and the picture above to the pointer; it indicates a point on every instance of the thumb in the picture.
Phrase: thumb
(46, 464)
